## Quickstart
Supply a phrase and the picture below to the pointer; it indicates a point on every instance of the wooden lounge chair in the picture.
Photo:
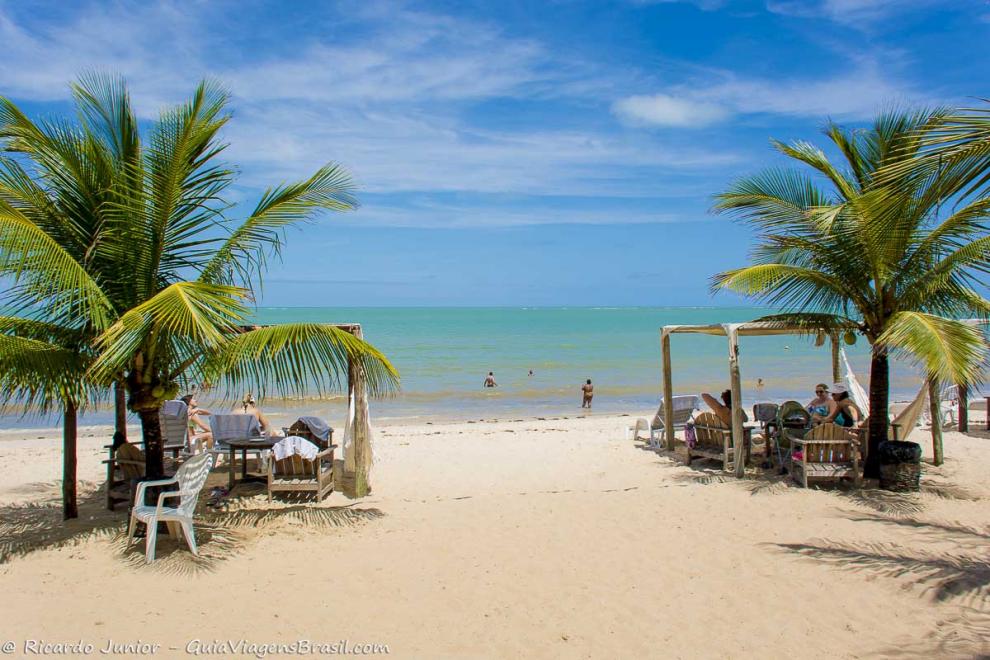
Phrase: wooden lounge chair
(123, 466)
(684, 407)
(314, 429)
(827, 451)
(295, 474)
(189, 479)
(713, 439)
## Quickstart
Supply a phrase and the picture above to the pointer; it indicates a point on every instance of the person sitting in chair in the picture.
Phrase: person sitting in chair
(198, 429)
(846, 413)
(822, 405)
(723, 408)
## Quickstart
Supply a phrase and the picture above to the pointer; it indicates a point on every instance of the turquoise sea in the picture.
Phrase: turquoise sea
(443, 355)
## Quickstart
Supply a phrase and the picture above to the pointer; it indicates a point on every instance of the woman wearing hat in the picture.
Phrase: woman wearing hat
(846, 412)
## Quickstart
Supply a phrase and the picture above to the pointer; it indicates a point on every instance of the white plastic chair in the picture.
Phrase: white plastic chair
(684, 406)
(190, 478)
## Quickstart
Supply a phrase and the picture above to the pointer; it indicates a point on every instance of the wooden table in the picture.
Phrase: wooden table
(244, 446)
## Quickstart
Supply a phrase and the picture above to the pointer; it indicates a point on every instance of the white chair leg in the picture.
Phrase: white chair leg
(131, 528)
(190, 534)
(150, 536)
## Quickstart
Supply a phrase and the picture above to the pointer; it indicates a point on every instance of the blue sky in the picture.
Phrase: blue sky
(511, 153)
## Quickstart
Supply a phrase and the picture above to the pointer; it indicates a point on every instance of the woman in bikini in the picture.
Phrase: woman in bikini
(822, 405)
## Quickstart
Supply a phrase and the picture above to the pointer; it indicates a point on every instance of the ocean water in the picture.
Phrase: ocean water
(444, 354)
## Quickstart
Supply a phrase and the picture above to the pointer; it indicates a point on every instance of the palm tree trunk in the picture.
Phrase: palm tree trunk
(879, 395)
(70, 508)
(120, 408)
(154, 452)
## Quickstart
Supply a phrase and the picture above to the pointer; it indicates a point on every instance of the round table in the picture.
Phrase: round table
(244, 446)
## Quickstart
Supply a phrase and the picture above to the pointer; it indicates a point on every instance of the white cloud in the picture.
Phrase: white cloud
(389, 102)
(851, 12)
(666, 110)
(854, 95)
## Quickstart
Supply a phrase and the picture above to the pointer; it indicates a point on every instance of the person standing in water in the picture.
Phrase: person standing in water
(490, 381)
(588, 392)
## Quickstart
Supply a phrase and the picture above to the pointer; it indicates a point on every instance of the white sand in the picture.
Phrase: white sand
(537, 538)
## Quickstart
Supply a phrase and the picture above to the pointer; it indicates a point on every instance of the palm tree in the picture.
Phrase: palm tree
(846, 247)
(42, 367)
(167, 276)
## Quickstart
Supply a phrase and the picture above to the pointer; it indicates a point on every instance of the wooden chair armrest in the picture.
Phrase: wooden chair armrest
(326, 452)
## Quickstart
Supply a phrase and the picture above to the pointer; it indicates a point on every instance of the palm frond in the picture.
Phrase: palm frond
(241, 258)
(48, 275)
(182, 320)
(38, 374)
(951, 350)
(296, 357)
(812, 156)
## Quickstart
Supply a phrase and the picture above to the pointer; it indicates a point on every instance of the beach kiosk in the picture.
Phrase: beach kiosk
(732, 332)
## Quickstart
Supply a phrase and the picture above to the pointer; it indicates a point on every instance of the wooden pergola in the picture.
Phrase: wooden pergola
(732, 331)
(357, 431)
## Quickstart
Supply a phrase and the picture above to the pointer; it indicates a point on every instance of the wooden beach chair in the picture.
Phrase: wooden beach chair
(684, 407)
(713, 439)
(123, 466)
(827, 451)
(295, 474)
(314, 429)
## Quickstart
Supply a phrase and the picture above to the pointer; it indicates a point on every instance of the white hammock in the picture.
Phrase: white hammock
(906, 420)
(856, 391)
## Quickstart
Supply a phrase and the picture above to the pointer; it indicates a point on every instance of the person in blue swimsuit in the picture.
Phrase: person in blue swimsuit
(822, 405)
(846, 412)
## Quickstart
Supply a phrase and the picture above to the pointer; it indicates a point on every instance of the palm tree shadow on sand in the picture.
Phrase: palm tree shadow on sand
(220, 535)
(961, 576)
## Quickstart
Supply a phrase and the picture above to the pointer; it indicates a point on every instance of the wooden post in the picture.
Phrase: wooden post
(70, 507)
(668, 391)
(963, 408)
(836, 372)
(735, 386)
(936, 409)
(357, 459)
(120, 408)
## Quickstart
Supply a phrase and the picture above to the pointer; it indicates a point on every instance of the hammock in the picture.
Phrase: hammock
(856, 391)
(906, 420)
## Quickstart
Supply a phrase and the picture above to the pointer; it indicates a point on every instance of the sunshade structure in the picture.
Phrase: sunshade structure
(357, 430)
(732, 332)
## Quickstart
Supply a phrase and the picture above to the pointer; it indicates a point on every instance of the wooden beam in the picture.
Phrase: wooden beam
(668, 392)
(735, 386)
(936, 408)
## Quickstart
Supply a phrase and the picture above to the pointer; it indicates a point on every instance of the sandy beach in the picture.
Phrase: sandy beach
(536, 537)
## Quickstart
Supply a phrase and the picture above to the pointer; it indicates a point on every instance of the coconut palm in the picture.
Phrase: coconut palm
(843, 247)
(167, 278)
(42, 367)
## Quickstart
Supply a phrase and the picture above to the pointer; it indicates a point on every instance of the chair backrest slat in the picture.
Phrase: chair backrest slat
(174, 419)
(191, 476)
(683, 406)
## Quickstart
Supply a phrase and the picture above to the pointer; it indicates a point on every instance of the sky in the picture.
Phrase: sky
(510, 153)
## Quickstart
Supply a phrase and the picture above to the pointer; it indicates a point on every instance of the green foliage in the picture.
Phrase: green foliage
(868, 243)
(126, 253)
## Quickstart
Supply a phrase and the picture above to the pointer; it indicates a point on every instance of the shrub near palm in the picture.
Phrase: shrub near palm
(847, 245)
(170, 275)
